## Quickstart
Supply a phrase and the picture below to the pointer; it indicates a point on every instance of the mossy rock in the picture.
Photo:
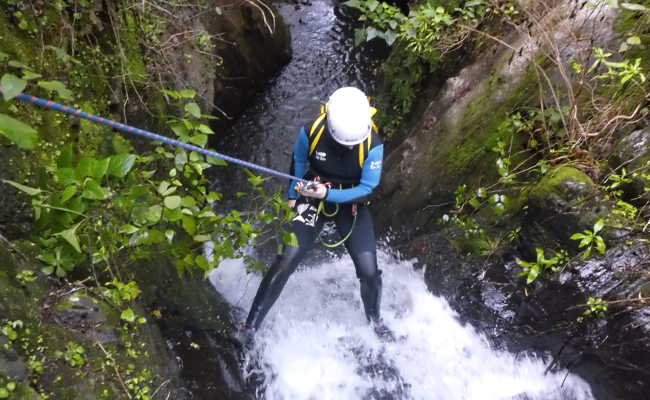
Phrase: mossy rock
(563, 202)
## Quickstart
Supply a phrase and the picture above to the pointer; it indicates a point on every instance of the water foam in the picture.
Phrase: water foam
(315, 343)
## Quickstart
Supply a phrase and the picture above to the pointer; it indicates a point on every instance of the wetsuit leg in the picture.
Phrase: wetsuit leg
(305, 228)
(363, 249)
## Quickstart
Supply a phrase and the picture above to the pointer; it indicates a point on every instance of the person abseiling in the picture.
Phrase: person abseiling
(342, 150)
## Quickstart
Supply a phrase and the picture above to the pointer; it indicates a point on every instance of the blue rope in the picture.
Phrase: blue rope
(49, 104)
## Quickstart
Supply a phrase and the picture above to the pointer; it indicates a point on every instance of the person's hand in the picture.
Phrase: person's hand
(318, 191)
(291, 203)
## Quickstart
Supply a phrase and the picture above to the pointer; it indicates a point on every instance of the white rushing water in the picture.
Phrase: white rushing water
(315, 343)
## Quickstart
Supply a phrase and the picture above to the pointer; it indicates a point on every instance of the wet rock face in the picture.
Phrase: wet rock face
(612, 353)
(197, 329)
(15, 209)
(251, 43)
(632, 152)
(451, 139)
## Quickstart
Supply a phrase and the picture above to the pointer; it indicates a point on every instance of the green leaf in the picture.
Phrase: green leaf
(633, 40)
(29, 190)
(193, 109)
(202, 262)
(84, 168)
(169, 234)
(100, 168)
(205, 129)
(165, 189)
(23, 135)
(66, 157)
(633, 7)
(216, 161)
(359, 36)
(172, 202)
(353, 3)
(600, 245)
(290, 239)
(179, 130)
(180, 159)
(189, 224)
(68, 192)
(533, 273)
(372, 33)
(187, 94)
(70, 235)
(188, 202)
(18, 64)
(599, 225)
(128, 229)
(577, 236)
(128, 315)
(390, 37)
(66, 176)
(11, 86)
(121, 164)
(58, 87)
(199, 140)
(153, 214)
(29, 75)
(93, 191)
(4, 393)
(11, 386)
(201, 238)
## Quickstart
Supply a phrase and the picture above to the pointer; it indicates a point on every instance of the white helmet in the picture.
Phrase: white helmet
(348, 116)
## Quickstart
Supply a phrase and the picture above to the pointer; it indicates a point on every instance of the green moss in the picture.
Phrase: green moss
(134, 61)
(555, 181)
(470, 145)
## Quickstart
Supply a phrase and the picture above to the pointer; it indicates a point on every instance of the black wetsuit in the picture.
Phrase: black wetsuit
(351, 185)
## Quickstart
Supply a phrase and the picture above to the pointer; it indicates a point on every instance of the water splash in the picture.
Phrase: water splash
(315, 343)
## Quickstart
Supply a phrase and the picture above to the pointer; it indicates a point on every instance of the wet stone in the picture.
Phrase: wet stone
(11, 365)
(81, 312)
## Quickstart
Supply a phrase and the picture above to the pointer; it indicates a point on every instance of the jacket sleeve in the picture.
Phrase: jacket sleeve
(299, 162)
(370, 178)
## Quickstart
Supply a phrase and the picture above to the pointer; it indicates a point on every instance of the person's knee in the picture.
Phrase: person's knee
(367, 267)
(285, 263)
(288, 256)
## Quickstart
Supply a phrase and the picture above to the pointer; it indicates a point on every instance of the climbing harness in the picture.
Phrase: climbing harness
(322, 210)
(49, 104)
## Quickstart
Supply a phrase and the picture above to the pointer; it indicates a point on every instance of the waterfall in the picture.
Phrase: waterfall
(316, 344)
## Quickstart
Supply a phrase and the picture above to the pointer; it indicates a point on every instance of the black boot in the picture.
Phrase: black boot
(371, 296)
(382, 331)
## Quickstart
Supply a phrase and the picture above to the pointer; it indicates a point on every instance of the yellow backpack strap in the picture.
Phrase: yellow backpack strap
(316, 139)
(362, 156)
(314, 126)
(319, 132)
